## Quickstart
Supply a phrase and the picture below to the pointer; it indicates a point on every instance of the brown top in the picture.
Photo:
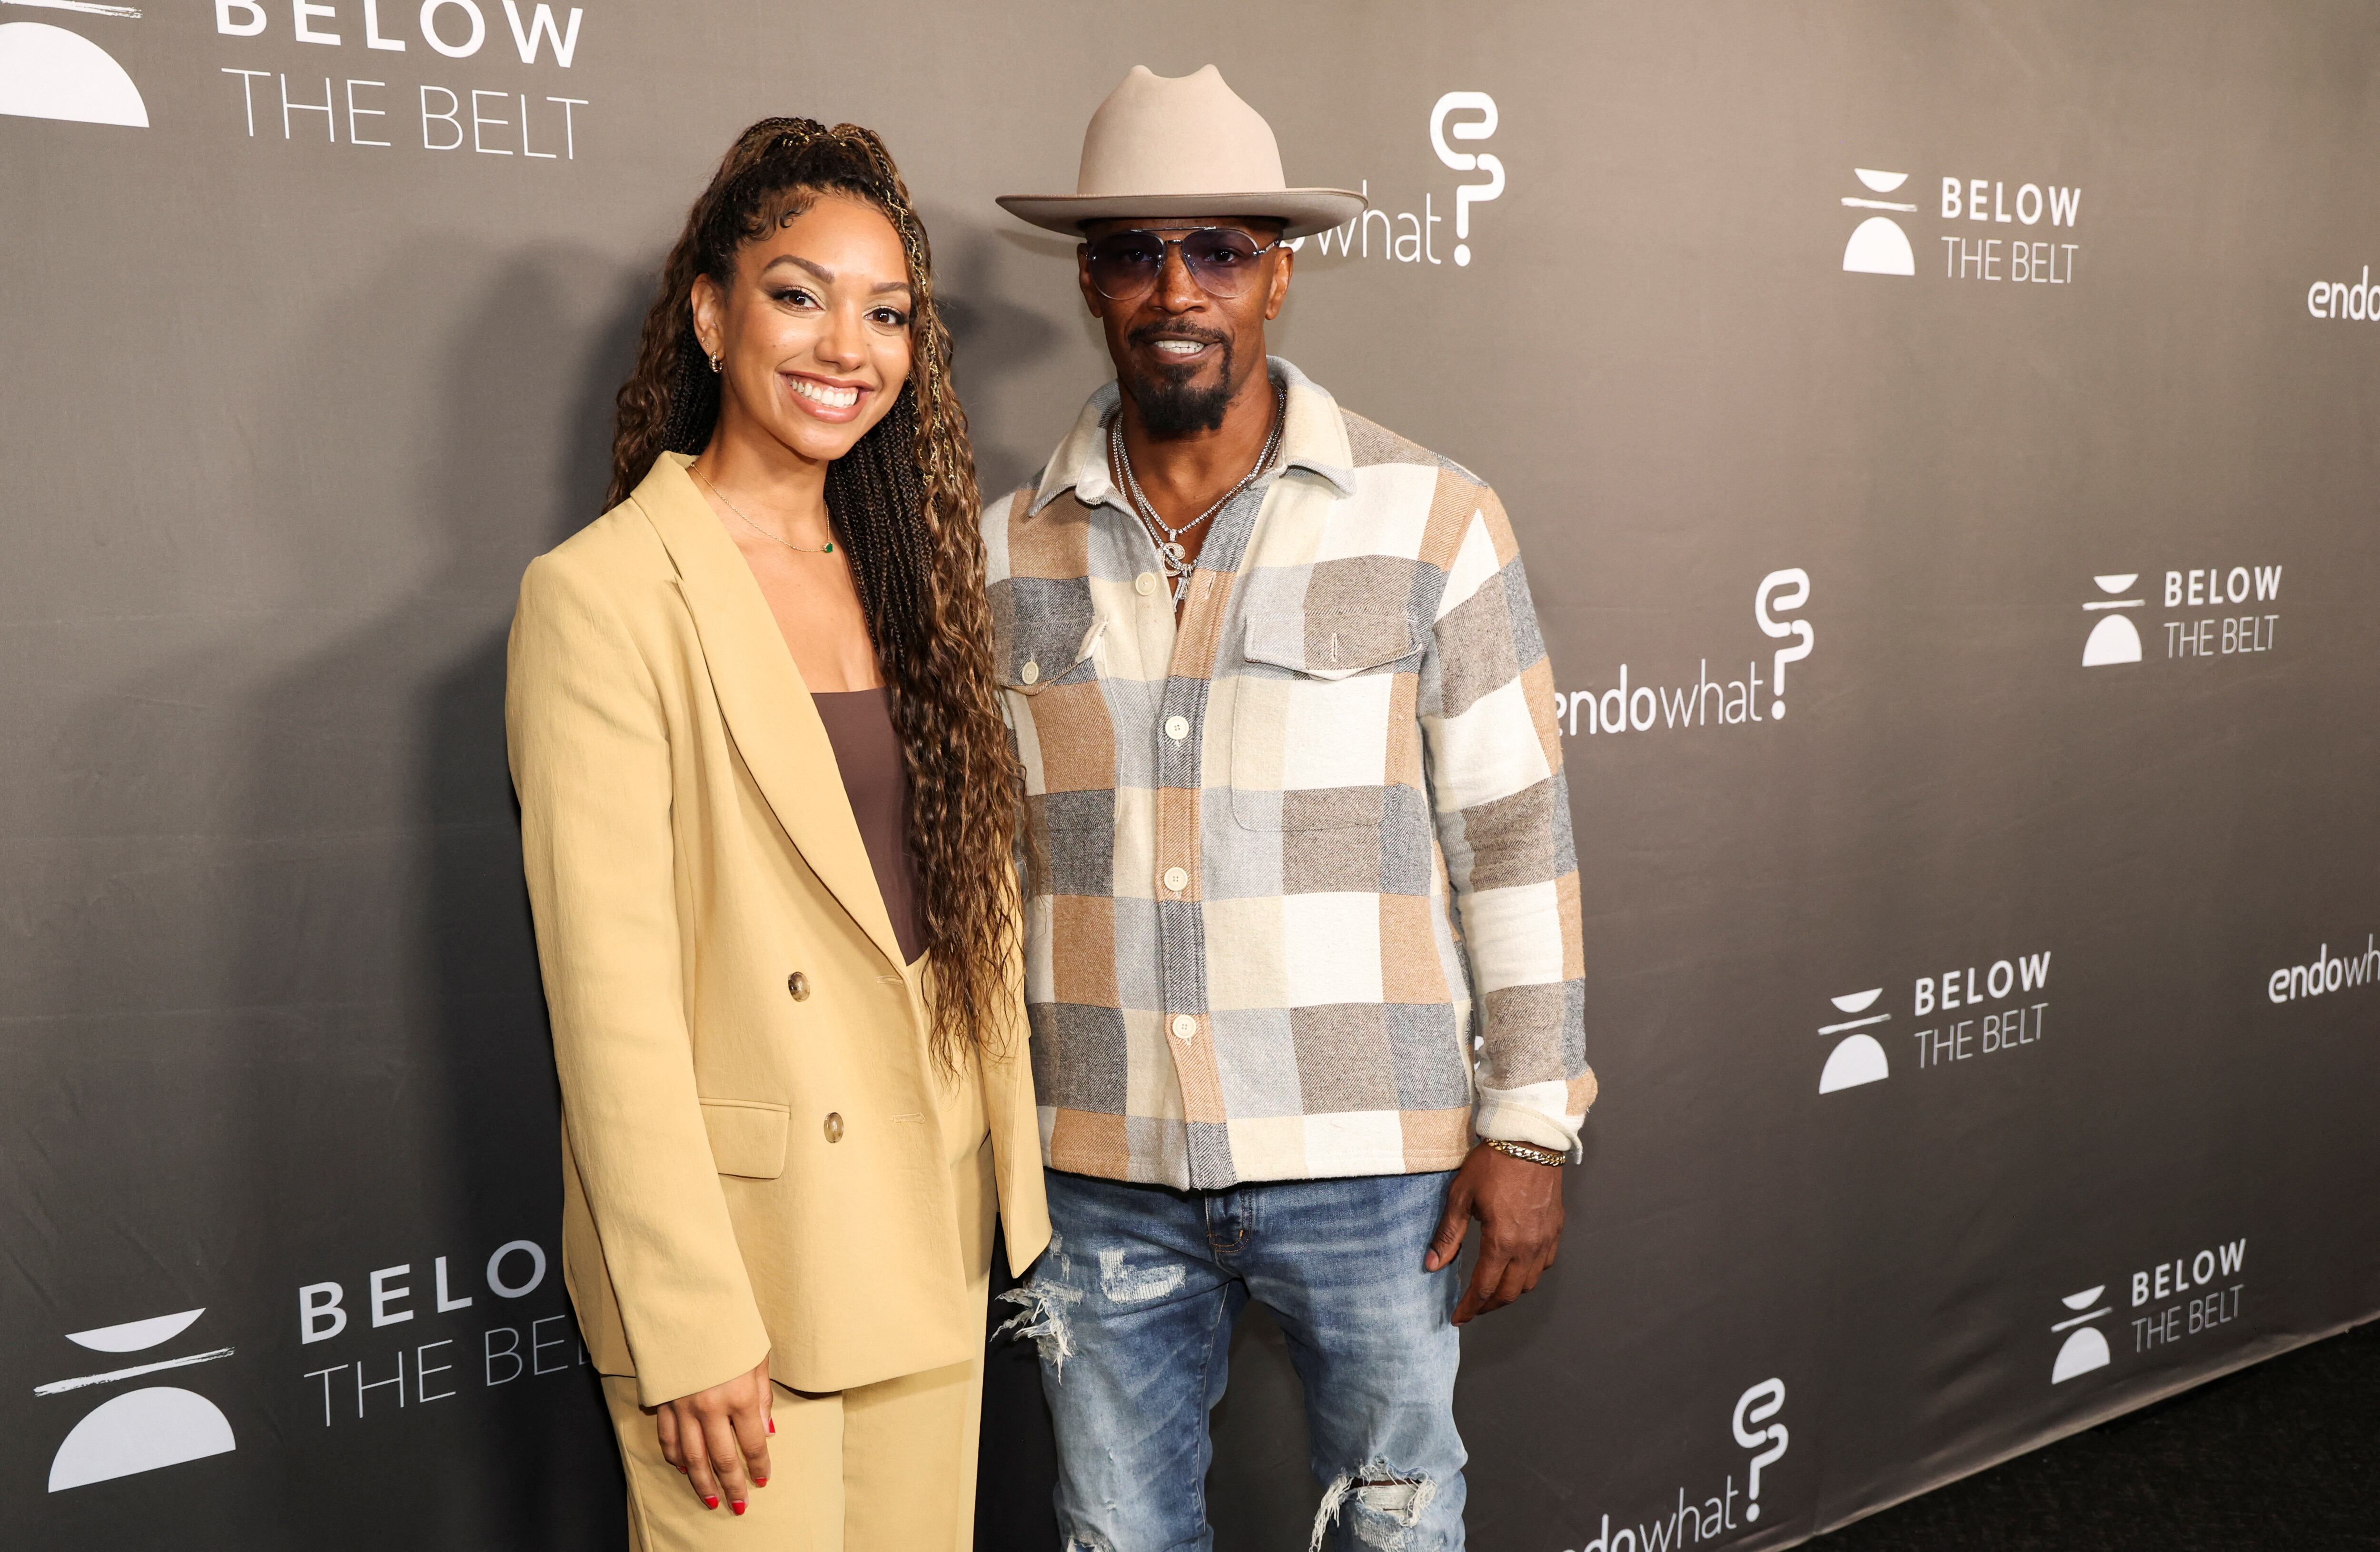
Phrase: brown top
(859, 725)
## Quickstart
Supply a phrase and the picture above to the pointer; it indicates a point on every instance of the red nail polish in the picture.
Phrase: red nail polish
(709, 1503)
(737, 1506)
(772, 1425)
(759, 1482)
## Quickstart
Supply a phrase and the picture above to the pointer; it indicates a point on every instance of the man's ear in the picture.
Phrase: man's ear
(1277, 291)
(1091, 298)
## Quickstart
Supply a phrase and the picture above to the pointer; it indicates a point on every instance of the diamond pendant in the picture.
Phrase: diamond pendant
(1175, 560)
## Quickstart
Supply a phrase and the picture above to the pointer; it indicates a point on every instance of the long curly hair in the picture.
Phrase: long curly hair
(903, 504)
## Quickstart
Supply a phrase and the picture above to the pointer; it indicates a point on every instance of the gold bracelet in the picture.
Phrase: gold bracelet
(1529, 1151)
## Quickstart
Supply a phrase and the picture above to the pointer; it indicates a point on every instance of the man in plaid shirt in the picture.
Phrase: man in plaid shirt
(1303, 948)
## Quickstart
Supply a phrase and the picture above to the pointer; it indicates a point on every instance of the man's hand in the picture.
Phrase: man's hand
(719, 1438)
(1519, 1206)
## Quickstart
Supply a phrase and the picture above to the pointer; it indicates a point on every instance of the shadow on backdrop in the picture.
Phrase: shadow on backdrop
(383, 960)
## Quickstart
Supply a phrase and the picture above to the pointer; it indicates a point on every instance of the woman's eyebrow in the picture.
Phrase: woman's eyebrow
(819, 270)
(827, 275)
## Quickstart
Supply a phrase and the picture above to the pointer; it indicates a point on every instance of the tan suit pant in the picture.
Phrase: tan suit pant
(887, 1467)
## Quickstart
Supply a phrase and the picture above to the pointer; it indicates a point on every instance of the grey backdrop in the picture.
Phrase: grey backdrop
(284, 415)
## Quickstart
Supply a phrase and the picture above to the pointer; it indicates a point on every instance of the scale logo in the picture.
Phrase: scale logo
(2086, 1347)
(48, 72)
(1878, 246)
(2114, 639)
(142, 1430)
(1859, 1059)
(2222, 634)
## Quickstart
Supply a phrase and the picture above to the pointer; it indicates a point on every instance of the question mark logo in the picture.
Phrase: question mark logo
(1758, 1404)
(1468, 194)
(1799, 581)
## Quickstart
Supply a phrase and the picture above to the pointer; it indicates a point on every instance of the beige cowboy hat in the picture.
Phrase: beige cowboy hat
(1182, 145)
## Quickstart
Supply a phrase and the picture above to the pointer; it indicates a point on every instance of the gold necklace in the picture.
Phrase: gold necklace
(800, 549)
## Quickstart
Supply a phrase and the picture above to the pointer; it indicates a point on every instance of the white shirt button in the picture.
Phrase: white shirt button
(1177, 728)
(1185, 1026)
(1031, 672)
(1145, 583)
(1177, 880)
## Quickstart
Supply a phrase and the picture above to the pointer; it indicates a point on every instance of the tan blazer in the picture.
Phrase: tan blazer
(751, 1157)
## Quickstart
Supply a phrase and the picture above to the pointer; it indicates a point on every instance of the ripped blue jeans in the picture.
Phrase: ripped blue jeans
(1133, 1307)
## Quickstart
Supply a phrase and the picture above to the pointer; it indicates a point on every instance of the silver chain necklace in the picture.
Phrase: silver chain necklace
(1169, 546)
(798, 549)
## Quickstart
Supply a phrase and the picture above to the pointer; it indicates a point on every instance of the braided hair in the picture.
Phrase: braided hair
(903, 504)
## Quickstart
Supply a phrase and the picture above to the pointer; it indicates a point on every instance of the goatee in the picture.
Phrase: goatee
(1171, 407)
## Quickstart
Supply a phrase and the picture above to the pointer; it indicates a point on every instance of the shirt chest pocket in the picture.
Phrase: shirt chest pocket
(1048, 655)
(1322, 708)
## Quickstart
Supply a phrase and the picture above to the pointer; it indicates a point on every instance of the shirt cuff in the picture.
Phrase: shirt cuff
(1532, 1114)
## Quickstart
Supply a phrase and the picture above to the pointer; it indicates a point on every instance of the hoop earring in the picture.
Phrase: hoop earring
(714, 364)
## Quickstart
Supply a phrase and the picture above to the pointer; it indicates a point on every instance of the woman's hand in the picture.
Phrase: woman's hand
(719, 1438)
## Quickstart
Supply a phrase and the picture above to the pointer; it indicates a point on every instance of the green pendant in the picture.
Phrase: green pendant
(830, 548)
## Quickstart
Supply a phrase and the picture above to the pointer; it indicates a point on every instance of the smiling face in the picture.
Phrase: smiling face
(812, 331)
(1181, 353)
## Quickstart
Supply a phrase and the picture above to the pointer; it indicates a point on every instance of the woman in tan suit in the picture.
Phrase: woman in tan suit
(767, 807)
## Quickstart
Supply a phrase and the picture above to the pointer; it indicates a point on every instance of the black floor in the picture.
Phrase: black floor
(2280, 1457)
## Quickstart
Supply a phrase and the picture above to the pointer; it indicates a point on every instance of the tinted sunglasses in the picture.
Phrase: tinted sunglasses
(1223, 260)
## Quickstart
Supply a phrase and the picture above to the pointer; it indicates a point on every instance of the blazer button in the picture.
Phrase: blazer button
(799, 985)
(834, 1127)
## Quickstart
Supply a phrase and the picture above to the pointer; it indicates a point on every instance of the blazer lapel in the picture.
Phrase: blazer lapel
(768, 707)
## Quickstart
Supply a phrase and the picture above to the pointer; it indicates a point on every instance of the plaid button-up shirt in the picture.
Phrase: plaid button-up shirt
(1303, 895)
